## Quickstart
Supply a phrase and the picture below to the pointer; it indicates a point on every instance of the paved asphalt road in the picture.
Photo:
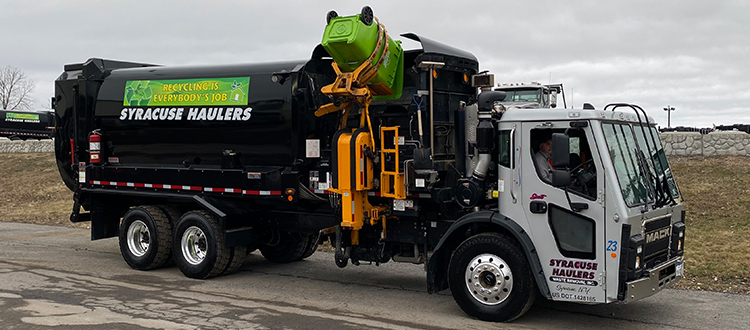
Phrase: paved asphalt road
(55, 278)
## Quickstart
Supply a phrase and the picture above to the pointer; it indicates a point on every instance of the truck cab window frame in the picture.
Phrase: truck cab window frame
(575, 235)
(505, 146)
(580, 152)
(621, 143)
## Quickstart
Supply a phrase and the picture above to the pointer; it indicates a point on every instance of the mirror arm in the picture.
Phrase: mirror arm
(576, 207)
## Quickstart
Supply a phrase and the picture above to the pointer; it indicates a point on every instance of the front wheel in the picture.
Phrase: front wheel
(490, 278)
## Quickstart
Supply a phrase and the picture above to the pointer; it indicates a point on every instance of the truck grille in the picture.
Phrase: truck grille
(657, 234)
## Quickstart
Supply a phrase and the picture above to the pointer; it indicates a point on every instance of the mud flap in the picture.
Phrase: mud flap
(76, 215)
(105, 216)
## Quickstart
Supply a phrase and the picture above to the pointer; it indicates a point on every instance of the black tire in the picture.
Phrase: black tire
(509, 295)
(286, 248)
(172, 213)
(366, 16)
(146, 237)
(312, 246)
(236, 258)
(199, 249)
(331, 15)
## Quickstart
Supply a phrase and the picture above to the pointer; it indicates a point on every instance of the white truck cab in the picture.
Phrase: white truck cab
(609, 224)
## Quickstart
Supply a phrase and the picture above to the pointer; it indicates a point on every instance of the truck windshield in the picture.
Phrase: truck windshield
(523, 95)
(629, 170)
(661, 174)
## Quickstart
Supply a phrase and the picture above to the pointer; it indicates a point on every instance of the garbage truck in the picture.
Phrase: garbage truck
(23, 125)
(390, 155)
(531, 95)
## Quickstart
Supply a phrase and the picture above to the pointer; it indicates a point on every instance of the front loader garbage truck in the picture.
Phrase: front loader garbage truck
(204, 164)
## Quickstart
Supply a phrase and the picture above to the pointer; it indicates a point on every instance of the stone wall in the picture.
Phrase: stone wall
(7, 146)
(675, 144)
(711, 144)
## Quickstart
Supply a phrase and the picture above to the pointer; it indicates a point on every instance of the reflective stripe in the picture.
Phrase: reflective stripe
(182, 187)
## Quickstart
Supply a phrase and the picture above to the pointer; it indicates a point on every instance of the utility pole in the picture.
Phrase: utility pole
(669, 110)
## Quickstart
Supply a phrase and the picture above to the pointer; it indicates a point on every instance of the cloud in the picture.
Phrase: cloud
(689, 54)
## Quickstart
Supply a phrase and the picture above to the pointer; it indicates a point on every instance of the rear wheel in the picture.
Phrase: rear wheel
(237, 257)
(312, 246)
(285, 247)
(490, 278)
(146, 237)
(199, 246)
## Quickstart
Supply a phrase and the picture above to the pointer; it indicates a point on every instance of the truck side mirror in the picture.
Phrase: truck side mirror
(560, 178)
(553, 99)
(560, 150)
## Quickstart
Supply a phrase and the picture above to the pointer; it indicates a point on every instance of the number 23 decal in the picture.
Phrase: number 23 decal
(612, 246)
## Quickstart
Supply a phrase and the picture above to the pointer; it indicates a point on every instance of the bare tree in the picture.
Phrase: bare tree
(15, 89)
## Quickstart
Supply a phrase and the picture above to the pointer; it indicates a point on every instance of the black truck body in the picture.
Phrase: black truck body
(251, 173)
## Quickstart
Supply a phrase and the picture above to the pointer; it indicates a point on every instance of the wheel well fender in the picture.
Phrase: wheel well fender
(472, 224)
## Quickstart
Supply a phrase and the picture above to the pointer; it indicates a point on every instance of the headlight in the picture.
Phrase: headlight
(678, 239)
(635, 256)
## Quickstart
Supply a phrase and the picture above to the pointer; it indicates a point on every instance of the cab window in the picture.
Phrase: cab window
(505, 149)
(583, 170)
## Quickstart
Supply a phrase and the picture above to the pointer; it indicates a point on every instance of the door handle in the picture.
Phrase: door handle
(578, 207)
(538, 207)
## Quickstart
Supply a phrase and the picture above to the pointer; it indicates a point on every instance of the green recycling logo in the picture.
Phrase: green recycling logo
(138, 93)
(237, 94)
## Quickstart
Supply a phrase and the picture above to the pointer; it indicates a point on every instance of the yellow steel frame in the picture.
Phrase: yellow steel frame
(391, 182)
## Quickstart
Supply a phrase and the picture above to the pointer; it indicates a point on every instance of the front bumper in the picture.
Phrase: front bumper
(660, 277)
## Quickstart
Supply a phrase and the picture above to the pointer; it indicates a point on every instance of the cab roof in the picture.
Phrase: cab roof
(542, 114)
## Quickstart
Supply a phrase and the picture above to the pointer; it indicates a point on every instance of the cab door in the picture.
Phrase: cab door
(566, 228)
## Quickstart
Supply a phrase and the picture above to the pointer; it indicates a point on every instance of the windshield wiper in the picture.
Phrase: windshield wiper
(662, 166)
(651, 180)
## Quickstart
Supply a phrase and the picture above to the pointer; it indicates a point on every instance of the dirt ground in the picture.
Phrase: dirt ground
(716, 193)
(33, 192)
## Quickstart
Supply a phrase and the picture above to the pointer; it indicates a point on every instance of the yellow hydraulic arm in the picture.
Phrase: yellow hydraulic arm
(354, 166)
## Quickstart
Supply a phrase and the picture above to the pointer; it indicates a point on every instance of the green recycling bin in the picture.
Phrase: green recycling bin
(351, 41)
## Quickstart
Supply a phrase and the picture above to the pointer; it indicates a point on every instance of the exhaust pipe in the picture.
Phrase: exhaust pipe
(469, 191)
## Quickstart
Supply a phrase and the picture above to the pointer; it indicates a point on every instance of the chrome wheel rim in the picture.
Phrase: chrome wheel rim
(139, 238)
(489, 279)
(194, 245)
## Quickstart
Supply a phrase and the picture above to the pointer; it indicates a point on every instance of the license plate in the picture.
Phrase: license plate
(680, 269)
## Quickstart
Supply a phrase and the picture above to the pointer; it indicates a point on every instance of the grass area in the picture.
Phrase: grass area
(717, 199)
(32, 191)
(716, 193)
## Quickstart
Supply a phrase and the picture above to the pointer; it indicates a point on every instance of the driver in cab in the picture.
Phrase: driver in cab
(583, 176)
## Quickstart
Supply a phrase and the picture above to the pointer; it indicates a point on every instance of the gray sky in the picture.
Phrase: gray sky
(692, 55)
